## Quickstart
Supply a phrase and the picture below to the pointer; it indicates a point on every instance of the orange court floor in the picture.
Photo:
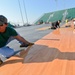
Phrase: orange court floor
(54, 54)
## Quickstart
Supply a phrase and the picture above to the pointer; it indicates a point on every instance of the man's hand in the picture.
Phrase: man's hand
(26, 45)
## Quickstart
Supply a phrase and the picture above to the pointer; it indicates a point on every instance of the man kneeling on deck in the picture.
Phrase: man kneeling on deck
(8, 34)
(55, 24)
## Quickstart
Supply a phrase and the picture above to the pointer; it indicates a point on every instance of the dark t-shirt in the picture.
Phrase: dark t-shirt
(55, 24)
(6, 35)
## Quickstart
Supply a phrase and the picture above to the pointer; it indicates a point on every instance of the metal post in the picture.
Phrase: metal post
(25, 11)
(21, 12)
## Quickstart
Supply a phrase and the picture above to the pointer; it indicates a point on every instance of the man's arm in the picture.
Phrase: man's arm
(20, 38)
(25, 42)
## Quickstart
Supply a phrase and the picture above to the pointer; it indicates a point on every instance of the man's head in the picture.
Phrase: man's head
(3, 23)
(59, 21)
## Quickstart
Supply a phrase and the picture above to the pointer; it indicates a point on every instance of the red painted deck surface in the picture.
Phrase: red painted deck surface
(54, 54)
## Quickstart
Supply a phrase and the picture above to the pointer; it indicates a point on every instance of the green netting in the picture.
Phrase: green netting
(44, 18)
(58, 15)
(71, 13)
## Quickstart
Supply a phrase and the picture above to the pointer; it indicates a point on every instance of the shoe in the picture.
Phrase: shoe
(1, 61)
(26, 45)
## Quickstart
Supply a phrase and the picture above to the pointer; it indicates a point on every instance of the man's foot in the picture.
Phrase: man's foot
(1, 61)
(26, 45)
